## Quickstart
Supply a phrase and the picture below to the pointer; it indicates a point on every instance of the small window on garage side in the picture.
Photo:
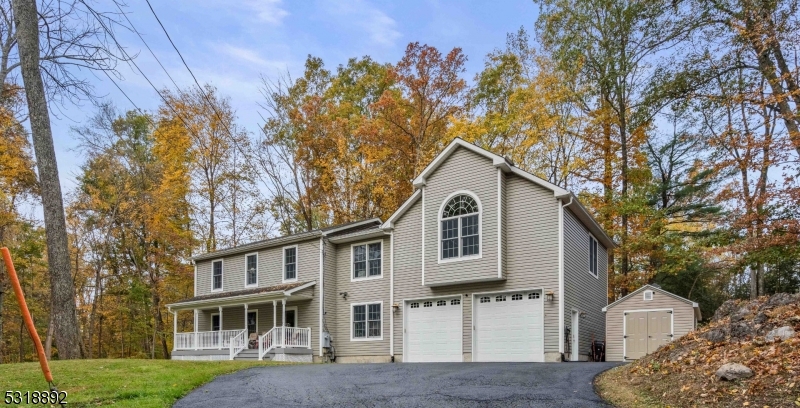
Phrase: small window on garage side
(415, 305)
(486, 299)
(516, 297)
(648, 295)
(455, 302)
(427, 304)
(500, 299)
(441, 303)
(534, 295)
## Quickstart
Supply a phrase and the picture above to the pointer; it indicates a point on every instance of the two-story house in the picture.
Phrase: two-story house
(484, 262)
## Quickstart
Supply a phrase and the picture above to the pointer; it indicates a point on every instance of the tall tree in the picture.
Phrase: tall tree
(612, 45)
(65, 322)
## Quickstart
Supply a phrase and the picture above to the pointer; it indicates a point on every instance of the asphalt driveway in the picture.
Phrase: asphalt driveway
(405, 385)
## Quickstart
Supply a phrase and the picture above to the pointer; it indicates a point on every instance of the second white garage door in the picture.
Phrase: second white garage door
(433, 330)
(509, 327)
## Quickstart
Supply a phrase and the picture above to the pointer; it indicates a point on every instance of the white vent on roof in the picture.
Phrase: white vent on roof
(648, 295)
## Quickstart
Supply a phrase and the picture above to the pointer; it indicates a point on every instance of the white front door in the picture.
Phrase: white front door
(509, 327)
(433, 330)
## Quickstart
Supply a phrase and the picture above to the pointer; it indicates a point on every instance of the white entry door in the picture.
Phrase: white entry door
(433, 330)
(509, 327)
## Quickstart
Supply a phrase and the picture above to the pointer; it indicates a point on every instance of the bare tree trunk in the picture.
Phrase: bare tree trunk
(754, 281)
(61, 282)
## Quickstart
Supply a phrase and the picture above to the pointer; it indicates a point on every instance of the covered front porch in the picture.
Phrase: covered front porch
(255, 326)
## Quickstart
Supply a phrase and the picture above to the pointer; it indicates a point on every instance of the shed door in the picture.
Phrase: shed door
(508, 327)
(659, 329)
(635, 335)
(433, 331)
(645, 332)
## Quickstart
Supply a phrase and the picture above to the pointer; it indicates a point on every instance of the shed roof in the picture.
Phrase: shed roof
(659, 290)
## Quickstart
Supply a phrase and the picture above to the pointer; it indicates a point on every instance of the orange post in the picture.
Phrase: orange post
(26, 314)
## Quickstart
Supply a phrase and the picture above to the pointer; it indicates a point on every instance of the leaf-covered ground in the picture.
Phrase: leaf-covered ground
(682, 373)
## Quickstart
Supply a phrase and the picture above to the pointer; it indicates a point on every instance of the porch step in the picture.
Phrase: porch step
(250, 354)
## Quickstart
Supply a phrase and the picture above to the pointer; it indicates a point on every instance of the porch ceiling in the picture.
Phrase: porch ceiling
(249, 296)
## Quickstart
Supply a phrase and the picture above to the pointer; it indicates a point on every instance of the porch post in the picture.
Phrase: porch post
(195, 329)
(219, 333)
(246, 334)
(283, 322)
(274, 314)
(174, 329)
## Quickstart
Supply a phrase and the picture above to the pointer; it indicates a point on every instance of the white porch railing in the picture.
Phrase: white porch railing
(205, 340)
(283, 337)
(237, 344)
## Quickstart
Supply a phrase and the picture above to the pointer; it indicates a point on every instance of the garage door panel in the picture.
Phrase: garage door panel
(434, 333)
(508, 327)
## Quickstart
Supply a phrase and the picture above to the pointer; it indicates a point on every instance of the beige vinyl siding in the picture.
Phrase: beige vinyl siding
(468, 171)
(270, 268)
(233, 316)
(532, 257)
(362, 291)
(270, 273)
(682, 315)
(583, 291)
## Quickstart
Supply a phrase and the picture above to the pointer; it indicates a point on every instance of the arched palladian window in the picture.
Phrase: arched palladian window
(460, 229)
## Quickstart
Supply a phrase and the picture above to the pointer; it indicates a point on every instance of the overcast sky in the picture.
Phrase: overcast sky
(232, 44)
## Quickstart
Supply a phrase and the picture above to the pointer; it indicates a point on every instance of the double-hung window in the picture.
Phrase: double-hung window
(367, 322)
(290, 263)
(460, 228)
(251, 272)
(216, 275)
(367, 260)
(592, 256)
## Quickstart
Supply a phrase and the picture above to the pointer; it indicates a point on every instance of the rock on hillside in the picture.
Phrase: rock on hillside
(762, 335)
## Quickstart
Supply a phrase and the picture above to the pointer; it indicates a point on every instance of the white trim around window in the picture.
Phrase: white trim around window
(645, 293)
(221, 275)
(246, 271)
(283, 263)
(366, 321)
(593, 242)
(366, 245)
(460, 257)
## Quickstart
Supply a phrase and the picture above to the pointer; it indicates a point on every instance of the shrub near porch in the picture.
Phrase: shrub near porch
(124, 383)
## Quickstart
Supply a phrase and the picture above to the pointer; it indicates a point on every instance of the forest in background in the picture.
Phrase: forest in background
(676, 122)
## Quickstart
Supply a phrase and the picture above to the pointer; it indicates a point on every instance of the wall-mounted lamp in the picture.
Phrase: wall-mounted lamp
(343, 295)
(395, 307)
(549, 296)
(583, 315)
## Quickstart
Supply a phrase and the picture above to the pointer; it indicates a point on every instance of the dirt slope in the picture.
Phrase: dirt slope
(682, 373)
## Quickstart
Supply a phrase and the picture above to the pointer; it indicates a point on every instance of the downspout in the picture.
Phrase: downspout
(321, 289)
(561, 296)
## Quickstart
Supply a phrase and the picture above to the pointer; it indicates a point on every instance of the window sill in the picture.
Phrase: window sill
(367, 339)
(461, 258)
(289, 280)
(366, 278)
(216, 290)
(595, 276)
(252, 285)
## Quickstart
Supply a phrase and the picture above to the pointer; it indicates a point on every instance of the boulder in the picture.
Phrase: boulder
(742, 330)
(761, 318)
(733, 371)
(780, 299)
(715, 335)
(725, 310)
(783, 333)
(740, 314)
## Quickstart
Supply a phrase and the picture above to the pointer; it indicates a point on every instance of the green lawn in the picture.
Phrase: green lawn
(124, 383)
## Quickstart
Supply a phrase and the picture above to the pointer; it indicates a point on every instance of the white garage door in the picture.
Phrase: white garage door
(433, 330)
(508, 327)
